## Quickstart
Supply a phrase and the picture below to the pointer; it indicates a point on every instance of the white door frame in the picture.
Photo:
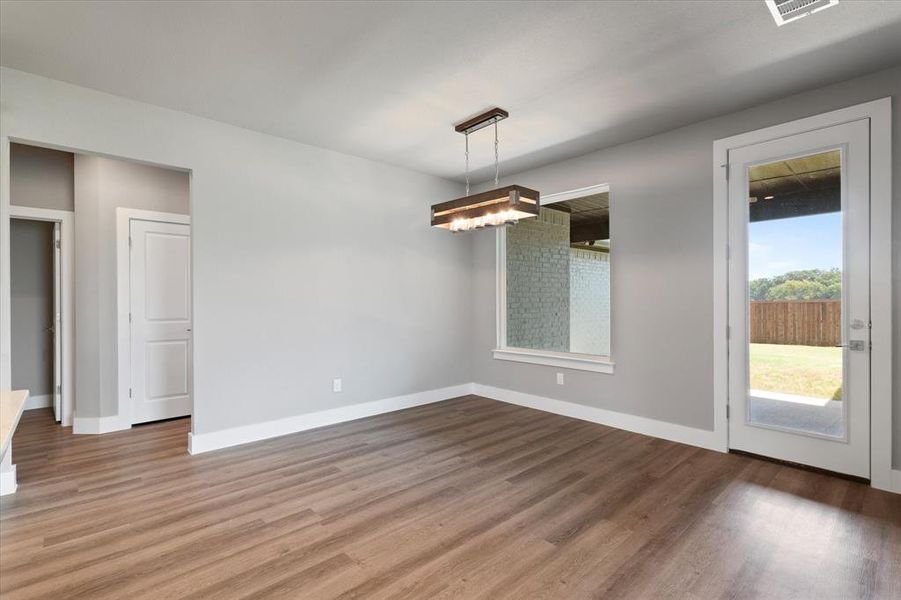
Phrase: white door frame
(66, 220)
(124, 217)
(879, 114)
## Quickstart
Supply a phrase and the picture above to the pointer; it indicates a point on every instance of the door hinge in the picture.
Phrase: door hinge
(727, 412)
(59, 389)
(57, 245)
(129, 317)
(129, 392)
(728, 252)
(726, 170)
(129, 242)
(728, 331)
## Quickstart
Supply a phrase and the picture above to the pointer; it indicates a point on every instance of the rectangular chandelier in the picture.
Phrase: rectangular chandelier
(500, 206)
(495, 207)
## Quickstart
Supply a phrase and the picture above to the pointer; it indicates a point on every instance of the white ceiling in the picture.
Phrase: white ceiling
(388, 80)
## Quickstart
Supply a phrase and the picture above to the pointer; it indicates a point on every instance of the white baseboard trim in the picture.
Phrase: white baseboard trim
(896, 481)
(34, 402)
(660, 429)
(886, 479)
(216, 440)
(8, 481)
(95, 425)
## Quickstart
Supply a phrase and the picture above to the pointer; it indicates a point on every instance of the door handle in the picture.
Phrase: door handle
(854, 345)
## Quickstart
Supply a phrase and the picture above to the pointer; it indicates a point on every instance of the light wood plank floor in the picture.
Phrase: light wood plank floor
(468, 498)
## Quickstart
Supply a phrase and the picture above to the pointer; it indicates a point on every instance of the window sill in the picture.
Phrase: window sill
(566, 360)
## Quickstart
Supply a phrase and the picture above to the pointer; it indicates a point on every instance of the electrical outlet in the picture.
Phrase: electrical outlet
(559, 378)
(336, 384)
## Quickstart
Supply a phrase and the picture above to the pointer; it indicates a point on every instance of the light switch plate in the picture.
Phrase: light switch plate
(559, 378)
(336, 384)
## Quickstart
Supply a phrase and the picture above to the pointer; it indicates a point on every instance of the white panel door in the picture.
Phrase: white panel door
(799, 298)
(160, 304)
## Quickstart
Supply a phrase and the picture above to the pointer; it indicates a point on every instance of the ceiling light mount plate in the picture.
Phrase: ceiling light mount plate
(482, 120)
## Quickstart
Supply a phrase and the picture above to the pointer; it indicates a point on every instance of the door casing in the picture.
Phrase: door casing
(66, 221)
(123, 266)
(878, 112)
(849, 454)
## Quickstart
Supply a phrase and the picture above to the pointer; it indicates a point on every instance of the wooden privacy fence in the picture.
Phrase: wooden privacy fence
(802, 322)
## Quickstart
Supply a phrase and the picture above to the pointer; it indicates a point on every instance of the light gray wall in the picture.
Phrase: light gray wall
(31, 290)
(661, 191)
(41, 178)
(538, 282)
(283, 302)
(101, 186)
(284, 299)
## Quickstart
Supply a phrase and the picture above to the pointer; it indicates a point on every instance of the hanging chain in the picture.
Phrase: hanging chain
(497, 168)
(467, 163)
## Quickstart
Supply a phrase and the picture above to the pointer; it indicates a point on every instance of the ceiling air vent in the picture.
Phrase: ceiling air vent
(786, 11)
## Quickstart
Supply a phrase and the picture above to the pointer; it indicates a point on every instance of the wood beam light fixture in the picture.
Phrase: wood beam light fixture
(500, 206)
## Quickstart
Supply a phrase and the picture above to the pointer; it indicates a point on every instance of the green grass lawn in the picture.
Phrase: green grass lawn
(812, 371)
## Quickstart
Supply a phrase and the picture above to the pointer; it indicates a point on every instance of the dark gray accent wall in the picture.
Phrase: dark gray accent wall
(41, 178)
(31, 291)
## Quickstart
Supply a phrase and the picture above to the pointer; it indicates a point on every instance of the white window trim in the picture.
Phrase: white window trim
(567, 360)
